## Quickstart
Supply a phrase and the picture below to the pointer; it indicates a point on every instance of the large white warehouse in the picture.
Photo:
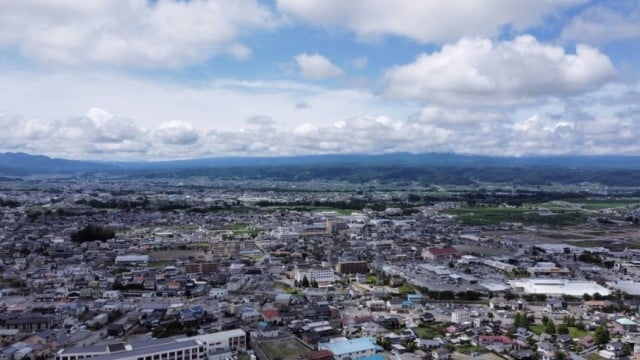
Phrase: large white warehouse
(558, 287)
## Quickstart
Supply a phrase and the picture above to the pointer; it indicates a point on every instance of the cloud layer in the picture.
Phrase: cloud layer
(136, 33)
(607, 125)
(423, 21)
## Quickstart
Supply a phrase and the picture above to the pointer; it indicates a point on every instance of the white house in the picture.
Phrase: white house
(218, 293)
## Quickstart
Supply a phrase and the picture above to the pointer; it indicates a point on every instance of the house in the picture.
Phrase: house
(440, 354)
(29, 322)
(115, 330)
(546, 350)
(526, 354)
(271, 315)
(376, 305)
(319, 355)
(488, 340)
(250, 316)
(266, 330)
(394, 305)
(564, 340)
(588, 343)
(555, 304)
(8, 336)
(433, 253)
(523, 334)
(627, 324)
(617, 348)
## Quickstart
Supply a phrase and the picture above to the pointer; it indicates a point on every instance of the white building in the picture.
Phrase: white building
(222, 342)
(558, 287)
(218, 293)
(132, 260)
(151, 349)
(111, 294)
(320, 275)
(460, 317)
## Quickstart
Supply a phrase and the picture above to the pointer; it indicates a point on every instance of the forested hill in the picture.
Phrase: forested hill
(424, 168)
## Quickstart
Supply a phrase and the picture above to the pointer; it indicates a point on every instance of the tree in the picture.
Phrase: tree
(550, 327)
(601, 335)
(545, 320)
(521, 320)
(305, 282)
(562, 329)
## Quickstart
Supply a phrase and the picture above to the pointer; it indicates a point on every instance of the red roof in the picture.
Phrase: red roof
(319, 355)
(270, 313)
(497, 338)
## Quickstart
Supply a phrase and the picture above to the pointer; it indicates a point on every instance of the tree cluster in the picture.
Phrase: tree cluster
(92, 232)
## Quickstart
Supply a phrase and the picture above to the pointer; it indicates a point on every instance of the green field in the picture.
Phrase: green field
(590, 204)
(577, 333)
(285, 349)
(491, 215)
(429, 332)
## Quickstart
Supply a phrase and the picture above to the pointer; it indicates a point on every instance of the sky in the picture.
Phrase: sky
(153, 80)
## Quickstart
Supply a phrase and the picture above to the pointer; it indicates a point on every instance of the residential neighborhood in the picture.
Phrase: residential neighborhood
(179, 270)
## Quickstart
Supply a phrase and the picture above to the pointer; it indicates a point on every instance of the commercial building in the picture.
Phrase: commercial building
(132, 260)
(320, 275)
(547, 269)
(352, 267)
(460, 317)
(207, 346)
(558, 287)
(448, 252)
(353, 349)
(221, 342)
(160, 349)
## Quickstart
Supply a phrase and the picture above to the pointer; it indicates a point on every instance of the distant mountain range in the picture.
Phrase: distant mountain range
(431, 167)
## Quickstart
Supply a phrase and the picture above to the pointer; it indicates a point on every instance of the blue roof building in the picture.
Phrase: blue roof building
(360, 348)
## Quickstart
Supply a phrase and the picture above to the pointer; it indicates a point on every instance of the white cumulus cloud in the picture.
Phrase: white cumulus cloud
(316, 67)
(475, 71)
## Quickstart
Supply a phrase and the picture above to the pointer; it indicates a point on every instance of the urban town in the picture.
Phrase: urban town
(168, 269)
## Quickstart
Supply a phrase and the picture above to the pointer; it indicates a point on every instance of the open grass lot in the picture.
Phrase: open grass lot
(577, 333)
(430, 332)
(491, 215)
(472, 349)
(285, 349)
(573, 331)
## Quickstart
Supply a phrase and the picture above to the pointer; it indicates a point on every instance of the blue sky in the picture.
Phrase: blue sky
(133, 79)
